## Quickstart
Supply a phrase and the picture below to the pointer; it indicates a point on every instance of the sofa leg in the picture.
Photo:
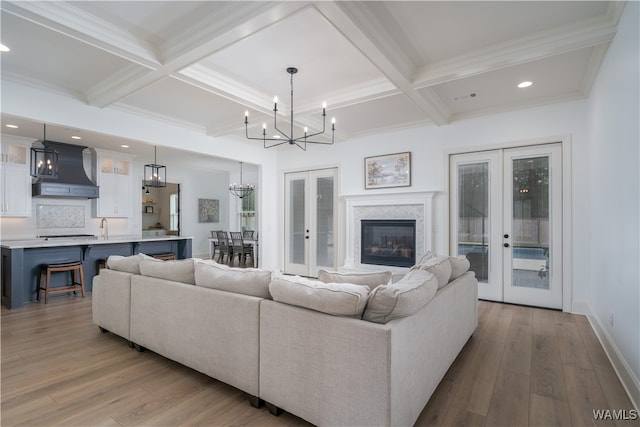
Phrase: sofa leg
(103, 330)
(273, 409)
(131, 344)
(138, 348)
(255, 401)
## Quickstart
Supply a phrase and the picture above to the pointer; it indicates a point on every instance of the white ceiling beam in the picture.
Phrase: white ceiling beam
(72, 22)
(515, 52)
(361, 28)
(200, 41)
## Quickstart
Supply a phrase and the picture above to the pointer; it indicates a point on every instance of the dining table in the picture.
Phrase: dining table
(253, 242)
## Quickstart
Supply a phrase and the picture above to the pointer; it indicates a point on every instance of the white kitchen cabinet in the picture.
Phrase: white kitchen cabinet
(15, 199)
(115, 179)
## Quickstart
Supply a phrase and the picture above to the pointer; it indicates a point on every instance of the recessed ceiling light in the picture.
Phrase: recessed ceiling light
(524, 84)
(12, 126)
(124, 146)
(76, 137)
(4, 48)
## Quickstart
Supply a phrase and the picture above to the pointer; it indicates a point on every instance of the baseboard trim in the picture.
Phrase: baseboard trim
(620, 366)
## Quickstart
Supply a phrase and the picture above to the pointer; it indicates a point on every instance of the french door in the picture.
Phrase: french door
(310, 215)
(506, 217)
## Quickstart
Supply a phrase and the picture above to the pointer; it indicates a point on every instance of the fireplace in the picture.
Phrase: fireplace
(388, 242)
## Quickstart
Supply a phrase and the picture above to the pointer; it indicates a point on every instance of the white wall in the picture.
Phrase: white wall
(614, 187)
(430, 146)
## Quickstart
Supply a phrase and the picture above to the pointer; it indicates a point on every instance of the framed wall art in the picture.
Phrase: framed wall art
(390, 170)
(208, 210)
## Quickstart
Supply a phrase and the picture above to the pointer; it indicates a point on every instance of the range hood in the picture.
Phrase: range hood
(72, 180)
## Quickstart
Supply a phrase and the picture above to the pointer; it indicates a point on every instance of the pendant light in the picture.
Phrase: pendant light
(155, 175)
(44, 161)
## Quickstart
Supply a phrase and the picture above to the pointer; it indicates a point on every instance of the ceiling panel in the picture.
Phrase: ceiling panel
(559, 76)
(53, 59)
(439, 30)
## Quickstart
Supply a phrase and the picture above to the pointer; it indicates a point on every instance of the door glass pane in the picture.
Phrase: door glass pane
(297, 215)
(473, 217)
(324, 225)
(530, 227)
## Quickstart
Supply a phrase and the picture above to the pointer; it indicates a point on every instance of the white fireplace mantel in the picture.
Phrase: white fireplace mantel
(417, 205)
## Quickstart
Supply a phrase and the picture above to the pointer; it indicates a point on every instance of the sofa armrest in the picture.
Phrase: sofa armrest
(111, 301)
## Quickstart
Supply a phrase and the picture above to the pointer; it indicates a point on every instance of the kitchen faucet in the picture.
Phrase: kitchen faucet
(104, 226)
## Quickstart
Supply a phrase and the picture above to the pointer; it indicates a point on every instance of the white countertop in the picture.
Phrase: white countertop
(43, 243)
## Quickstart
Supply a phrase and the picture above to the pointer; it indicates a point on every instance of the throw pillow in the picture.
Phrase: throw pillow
(439, 266)
(338, 299)
(247, 281)
(401, 299)
(428, 255)
(459, 266)
(370, 279)
(127, 264)
(181, 270)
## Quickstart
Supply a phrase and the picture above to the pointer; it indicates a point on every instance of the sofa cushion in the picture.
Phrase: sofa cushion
(459, 266)
(126, 264)
(439, 266)
(370, 279)
(181, 270)
(247, 281)
(401, 299)
(338, 299)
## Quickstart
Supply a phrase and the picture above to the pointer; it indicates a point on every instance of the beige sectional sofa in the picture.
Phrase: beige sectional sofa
(299, 344)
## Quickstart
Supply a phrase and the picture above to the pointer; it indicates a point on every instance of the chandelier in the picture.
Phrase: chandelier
(155, 175)
(240, 190)
(44, 161)
(284, 138)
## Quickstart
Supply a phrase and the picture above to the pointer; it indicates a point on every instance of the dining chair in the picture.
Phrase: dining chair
(225, 247)
(247, 234)
(242, 249)
(216, 244)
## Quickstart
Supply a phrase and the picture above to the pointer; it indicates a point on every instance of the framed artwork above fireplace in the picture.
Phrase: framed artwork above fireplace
(390, 170)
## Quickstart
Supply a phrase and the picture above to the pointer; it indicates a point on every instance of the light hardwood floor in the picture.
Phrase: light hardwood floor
(523, 366)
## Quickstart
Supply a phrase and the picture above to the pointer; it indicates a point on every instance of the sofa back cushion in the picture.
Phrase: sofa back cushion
(370, 279)
(401, 299)
(247, 281)
(439, 266)
(126, 264)
(338, 299)
(177, 270)
(459, 266)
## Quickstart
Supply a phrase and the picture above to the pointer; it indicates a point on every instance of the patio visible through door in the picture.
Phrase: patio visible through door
(506, 217)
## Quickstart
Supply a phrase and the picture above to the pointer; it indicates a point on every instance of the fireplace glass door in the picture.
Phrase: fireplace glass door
(310, 206)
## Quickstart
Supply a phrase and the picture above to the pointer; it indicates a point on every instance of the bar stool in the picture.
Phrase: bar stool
(46, 269)
(170, 256)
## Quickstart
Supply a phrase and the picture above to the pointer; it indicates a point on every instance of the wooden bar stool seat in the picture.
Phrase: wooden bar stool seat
(165, 257)
(75, 267)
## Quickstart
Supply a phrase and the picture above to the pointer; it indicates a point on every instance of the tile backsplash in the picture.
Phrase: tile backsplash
(60, 216)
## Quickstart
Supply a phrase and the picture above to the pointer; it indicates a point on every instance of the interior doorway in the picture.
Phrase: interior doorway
(161, 210)
(506, 217)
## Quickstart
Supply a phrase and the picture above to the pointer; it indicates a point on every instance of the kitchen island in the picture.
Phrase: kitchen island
(21, 259)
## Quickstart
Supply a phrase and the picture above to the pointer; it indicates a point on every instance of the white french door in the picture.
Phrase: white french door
(310, 215)
(506, 217)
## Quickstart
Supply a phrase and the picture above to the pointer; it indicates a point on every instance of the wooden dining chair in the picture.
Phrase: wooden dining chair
(240, 248)
(225, 247)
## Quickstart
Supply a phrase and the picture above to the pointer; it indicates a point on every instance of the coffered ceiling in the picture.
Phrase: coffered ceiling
(379, 65)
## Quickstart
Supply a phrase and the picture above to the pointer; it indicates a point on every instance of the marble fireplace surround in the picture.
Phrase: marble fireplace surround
(416, 206)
